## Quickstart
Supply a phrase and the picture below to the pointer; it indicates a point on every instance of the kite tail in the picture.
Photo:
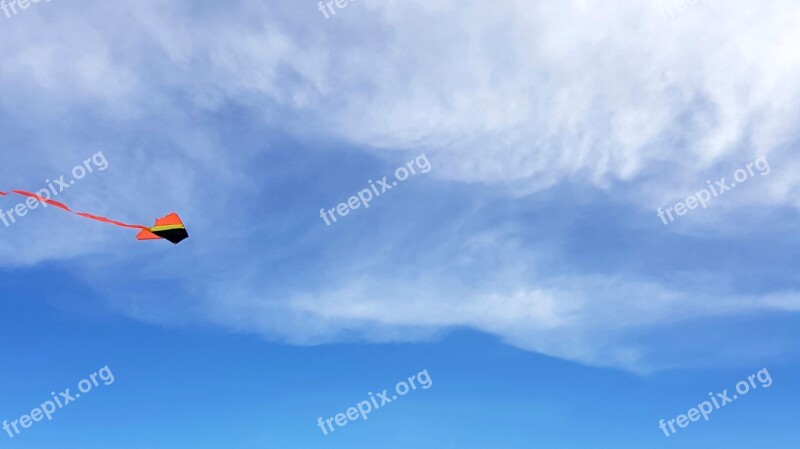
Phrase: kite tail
(66, 208)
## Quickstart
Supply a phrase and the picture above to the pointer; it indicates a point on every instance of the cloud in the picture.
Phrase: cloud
(510, 93)
(530, 95)
(194, 106)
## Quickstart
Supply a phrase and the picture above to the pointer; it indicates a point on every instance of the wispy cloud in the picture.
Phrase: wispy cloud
(213, 110)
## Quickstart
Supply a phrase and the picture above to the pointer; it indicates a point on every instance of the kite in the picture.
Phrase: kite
(168, 228)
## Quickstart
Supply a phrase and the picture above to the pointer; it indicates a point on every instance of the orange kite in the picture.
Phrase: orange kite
(168, 228)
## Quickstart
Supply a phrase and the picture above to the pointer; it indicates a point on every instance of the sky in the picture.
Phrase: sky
(570, 222)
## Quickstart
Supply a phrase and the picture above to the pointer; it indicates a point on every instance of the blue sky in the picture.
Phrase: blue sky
(527, 271)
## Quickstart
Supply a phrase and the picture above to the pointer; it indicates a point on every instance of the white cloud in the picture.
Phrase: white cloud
(517, 94)
(514, 93)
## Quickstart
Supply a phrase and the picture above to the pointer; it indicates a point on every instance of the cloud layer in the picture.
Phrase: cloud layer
(529, 111)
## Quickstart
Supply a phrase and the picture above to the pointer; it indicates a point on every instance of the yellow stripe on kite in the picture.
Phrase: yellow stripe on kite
(166, 228)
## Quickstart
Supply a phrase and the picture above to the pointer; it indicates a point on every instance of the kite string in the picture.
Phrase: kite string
(66, 208)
